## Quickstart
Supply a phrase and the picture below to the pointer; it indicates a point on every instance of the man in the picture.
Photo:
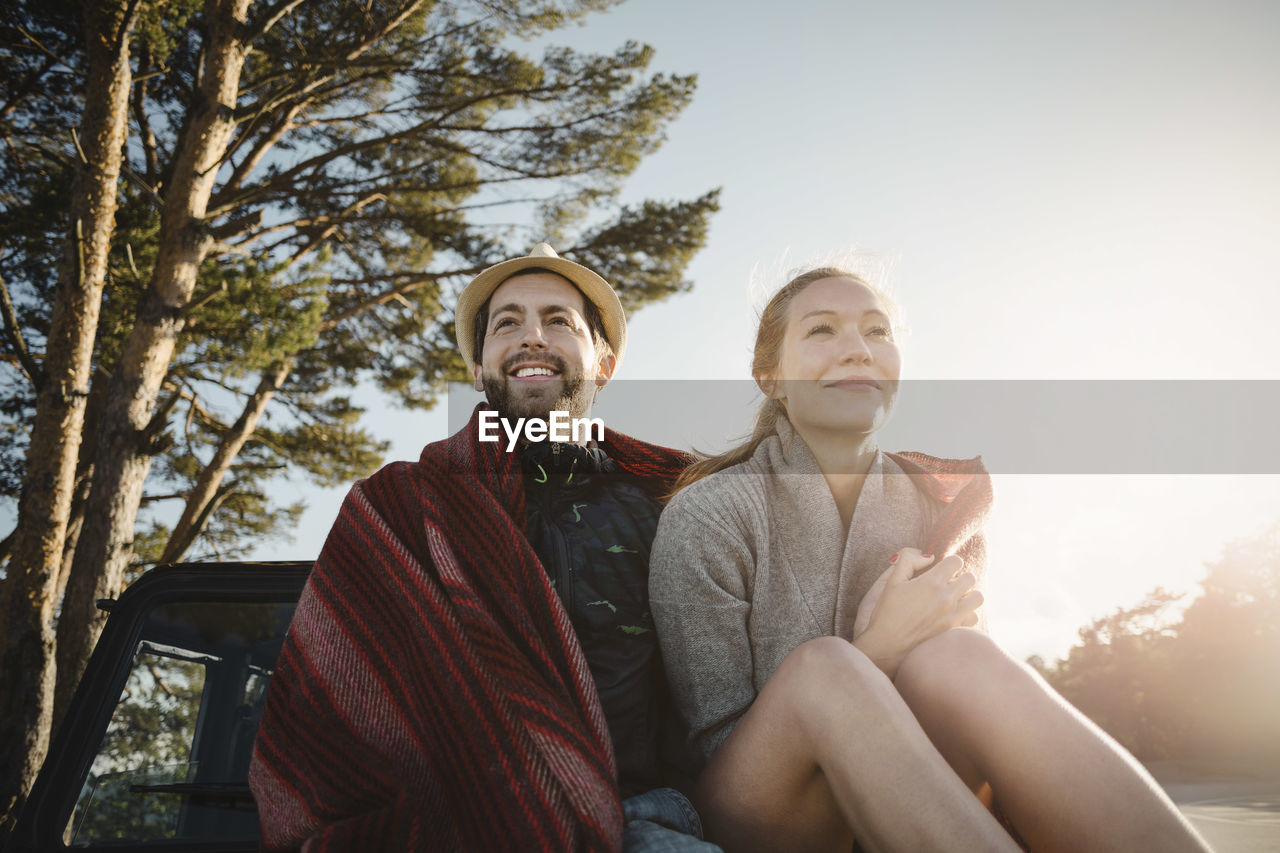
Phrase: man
(473, 648)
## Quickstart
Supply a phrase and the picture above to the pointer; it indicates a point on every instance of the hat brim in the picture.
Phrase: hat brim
(592, 286)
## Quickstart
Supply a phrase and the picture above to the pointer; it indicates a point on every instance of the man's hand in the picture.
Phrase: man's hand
(902, 610)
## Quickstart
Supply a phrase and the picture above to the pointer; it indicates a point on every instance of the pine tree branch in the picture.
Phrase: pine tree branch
(393, 23)
(260, 150)
(176, 383)
(399, 290)
(271, 16)
(125, 172)
(175, 549)
(314, 243)
(293, 98)
(159, 421)
(19, 345)
(26, 87)
(301, 90)
(373, 185)
(198, 302)
(288, 178)
(523, 173)
(184, 390)
(358, 117)
(126, 24)
(57, 60)
(159, 680)
(311, 90)
(307, 92)
(148, 137)
(175, 496)
(283, 182)
(209, 491)
(354, 283)
(141, 183)
(237, 227)
(620, 109)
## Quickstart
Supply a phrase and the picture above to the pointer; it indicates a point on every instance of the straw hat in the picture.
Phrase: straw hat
(593, 287)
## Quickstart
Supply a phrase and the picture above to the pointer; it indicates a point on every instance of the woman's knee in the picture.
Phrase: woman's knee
(823, 664)
(957, 661)
(825, 687)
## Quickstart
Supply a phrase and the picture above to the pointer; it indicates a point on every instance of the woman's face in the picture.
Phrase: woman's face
(839, 365)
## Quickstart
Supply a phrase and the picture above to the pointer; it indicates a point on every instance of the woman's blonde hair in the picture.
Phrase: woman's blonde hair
(764, 360)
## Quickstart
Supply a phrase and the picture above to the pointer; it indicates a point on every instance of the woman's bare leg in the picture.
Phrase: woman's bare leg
(829, 750)
(1064, 783)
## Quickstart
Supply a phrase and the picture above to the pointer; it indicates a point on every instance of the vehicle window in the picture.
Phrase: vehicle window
(174, 761)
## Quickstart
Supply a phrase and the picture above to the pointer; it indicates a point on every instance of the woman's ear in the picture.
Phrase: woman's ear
(768, 386)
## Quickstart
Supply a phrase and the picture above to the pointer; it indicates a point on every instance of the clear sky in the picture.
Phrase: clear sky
(1085, 190)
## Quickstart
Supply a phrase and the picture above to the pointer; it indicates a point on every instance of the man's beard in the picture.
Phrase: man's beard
(541, 399)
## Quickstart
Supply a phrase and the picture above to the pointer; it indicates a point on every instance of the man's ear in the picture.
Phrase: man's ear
(604, 372)
(478, 384)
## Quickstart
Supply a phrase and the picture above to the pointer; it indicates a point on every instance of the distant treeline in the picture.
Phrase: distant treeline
(1202, 685)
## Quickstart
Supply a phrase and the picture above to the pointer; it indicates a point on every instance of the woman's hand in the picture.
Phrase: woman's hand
(901, 611)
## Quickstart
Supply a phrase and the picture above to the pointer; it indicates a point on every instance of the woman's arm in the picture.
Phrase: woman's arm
(700, 577)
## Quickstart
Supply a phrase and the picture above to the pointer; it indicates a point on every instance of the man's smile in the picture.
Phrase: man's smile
(534, 370)
(534, 367)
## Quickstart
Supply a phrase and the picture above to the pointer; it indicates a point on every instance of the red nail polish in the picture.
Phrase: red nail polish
(927, 556)
(893, 559)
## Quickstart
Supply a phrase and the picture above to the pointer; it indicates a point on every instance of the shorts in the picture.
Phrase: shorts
(662, 821)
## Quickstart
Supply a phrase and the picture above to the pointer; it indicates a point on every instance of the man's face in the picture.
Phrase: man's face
(539, 354)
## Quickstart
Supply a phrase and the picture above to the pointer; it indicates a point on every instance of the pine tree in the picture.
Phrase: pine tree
(307, 184)
(60, 382)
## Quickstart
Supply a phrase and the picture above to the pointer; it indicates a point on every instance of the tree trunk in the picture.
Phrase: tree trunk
(27, 668)
(83, 480)
(197, 511)
(125, 449)
(75, 517)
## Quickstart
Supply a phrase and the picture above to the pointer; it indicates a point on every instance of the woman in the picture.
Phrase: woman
(814, 600)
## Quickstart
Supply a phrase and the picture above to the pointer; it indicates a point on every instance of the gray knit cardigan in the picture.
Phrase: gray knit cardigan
(752, 561)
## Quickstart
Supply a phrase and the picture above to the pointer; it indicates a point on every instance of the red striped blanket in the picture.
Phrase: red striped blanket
(963, 488)
(431, 693)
